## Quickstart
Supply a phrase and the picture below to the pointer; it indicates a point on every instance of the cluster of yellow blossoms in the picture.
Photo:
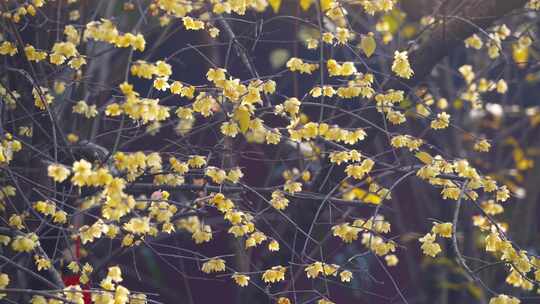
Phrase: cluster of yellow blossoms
(88, 111)
(386, 103)
(274, 274)
(200, 232)
(406, 141)
(520, 263)
(8, 147)
(475, 87)
(48, 208)
(504, 299)
(4, 281)
(429, 247)
(213, 265)
(42, 98)
(435, 166)
(145, 110)
(5, 193)
(374, 6)
(25, 243)
(296, 64)
(372, 230)
(336, 69)
(104, 30)
(319, 268)
(60, 52)
(401, 65)
(331, 133)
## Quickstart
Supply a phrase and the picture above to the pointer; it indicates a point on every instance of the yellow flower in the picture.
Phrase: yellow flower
(77, 62)
(474, 42)
(58, 172)
(504, 299)
(292, 187)
(196, 161)
(138, 225)
(25, 243)
(38, 300)
(202, 235)
(217, 175)
(204, 104)
(313, 270)
(176, 87)
(442, 229)
(283, 300)
(255, 239)
(4, 240)
(492, 208)
(442, 121)
(115, 274)
(296, 64)
(213, 32)
(502, 87)
(74, 267)
(82, 170)
(391, 260)
(503, 194)
(230, 128)
(312, 43)
(121, 295)
(240, 279)
(191, 24)
(359, 171)
(328, 38)
(34, 55)
(8, 48)
(482, 146)
(4, 281)
(401, 65)
(269, 87)
(330, 269)
(188, 92)
(339, 157)
(89, 233)
(16, 221)
(343, 35)
(127, 240)
(163, 69)
(274, 274)
(57, 59)
(451, 192)
(42, 263)
(161, 84)
(273, 245)
(467, 72)
(279, 201)
(213, 265)
(235, 175)
(113, 110)
(429, 247)
(72, 138)
(216, 75)
(107, 284)
(138, 298)
(346, 232)
(345, 276)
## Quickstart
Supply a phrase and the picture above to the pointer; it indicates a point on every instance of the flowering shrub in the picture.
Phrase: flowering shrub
(296, 151)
